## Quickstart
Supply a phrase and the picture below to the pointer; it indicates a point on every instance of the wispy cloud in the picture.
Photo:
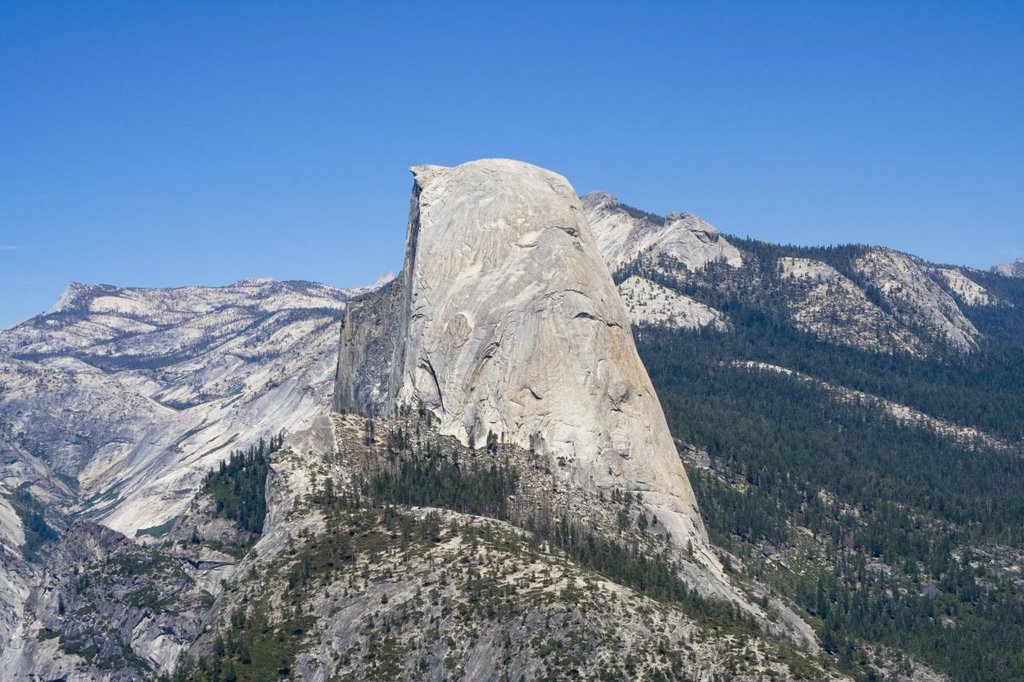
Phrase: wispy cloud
(9, 247)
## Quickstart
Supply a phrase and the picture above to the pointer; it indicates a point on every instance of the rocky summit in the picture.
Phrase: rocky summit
(1014, 269)
(626, 234)
(510, 325)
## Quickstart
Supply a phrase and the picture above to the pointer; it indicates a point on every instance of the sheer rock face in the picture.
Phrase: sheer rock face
(509, 323)
(370, 340)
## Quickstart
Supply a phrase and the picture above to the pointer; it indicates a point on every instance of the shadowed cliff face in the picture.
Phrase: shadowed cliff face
(505, 320)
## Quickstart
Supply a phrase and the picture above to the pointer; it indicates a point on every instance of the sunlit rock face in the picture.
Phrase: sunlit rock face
(918, 300)
(133, 394)
(505, 320)
(625, 235)
(1014, 269)
(650, 303)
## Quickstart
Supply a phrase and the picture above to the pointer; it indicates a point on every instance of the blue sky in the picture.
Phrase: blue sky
(162, 144)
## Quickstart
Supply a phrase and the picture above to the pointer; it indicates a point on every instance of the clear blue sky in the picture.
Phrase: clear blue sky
(160, 144)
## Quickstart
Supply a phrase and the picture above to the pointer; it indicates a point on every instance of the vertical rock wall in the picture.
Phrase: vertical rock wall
(505, 320)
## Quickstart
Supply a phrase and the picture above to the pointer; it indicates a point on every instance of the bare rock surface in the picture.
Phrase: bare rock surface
(624, 235)
(887, 302)
(831, 306)
(918, 301)
(966, 289)
(116, 402)
(650, 303)
(511, 324)
(132, 394)
(1014, 269)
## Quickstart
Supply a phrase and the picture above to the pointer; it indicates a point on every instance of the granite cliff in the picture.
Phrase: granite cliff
(505, 320)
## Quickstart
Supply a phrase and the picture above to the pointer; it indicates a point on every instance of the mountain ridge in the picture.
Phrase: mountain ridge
(187, 375)
(1014, 269)
(893, 302)
(184, 357)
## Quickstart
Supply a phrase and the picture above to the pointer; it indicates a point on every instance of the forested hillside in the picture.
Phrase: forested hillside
(886, 531)
(980, 389)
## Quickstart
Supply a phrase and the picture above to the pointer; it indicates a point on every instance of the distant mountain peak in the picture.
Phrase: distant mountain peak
(593, 200)
(75, 294)
(625, 235)
(1014, 269)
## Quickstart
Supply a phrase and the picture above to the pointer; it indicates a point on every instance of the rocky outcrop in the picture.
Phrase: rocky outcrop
(1014, 269)
(917, 301)
(650, 303)
(102, 607)
(964, 288)
(883, 302)
(896, 305)
(510, 324)
(132, 394)
(474, 599)
(625, 235)
(826, 303)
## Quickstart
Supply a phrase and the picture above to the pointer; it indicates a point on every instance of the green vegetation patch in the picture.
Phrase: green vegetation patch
(890, 510)
(239, 486)
(157, 531)
(33, 521)
(438, 482)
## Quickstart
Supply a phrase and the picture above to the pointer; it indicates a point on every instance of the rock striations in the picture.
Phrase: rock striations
(505, 320)
(133, 394)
